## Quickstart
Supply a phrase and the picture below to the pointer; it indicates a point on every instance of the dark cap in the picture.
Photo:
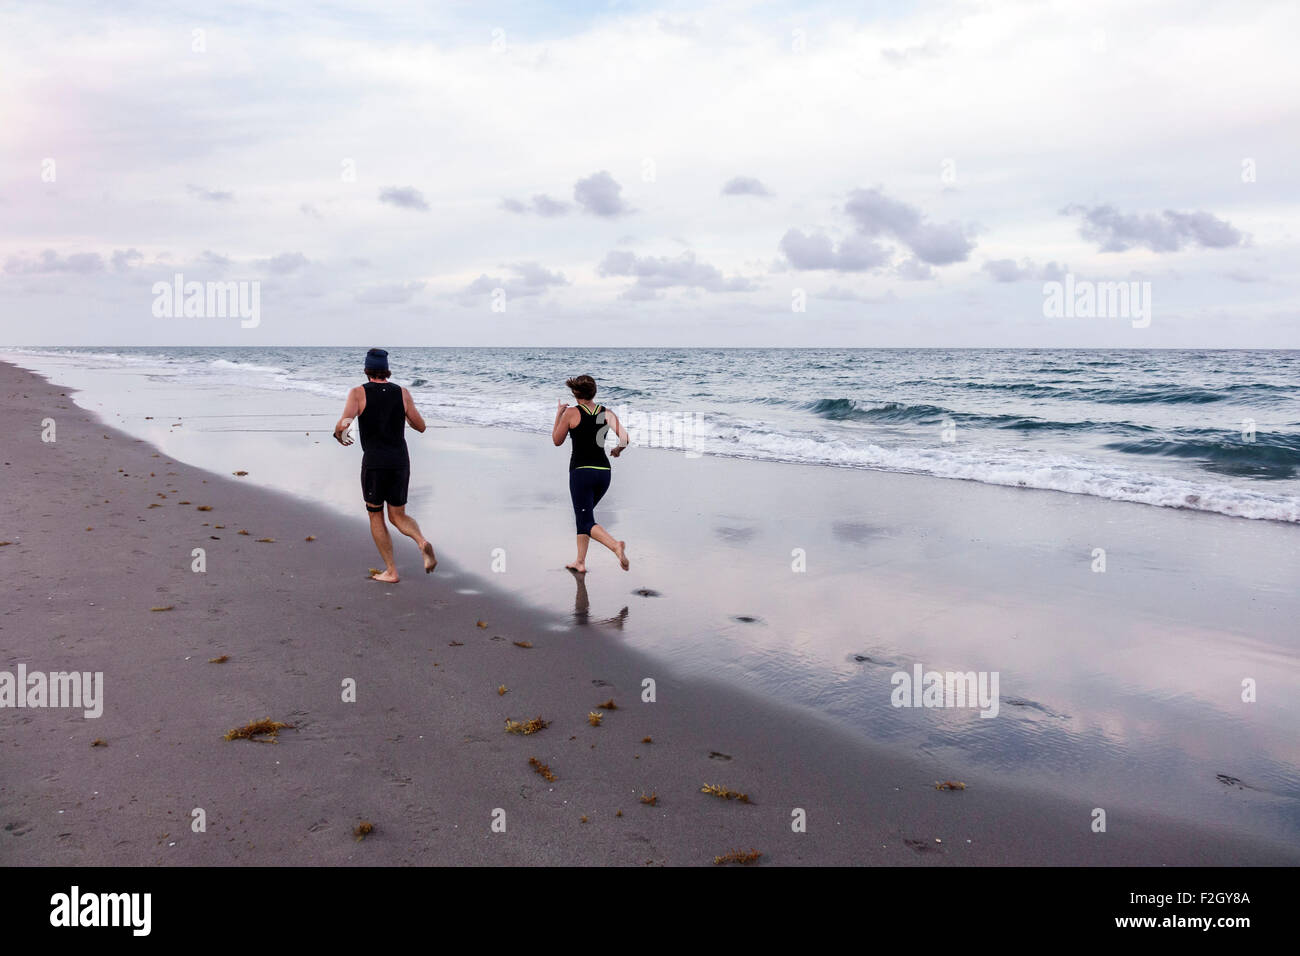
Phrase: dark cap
(376, 360)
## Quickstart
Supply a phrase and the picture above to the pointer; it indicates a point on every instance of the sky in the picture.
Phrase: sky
(651, 174)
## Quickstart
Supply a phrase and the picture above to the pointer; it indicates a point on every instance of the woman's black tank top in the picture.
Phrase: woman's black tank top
(587, 438)
(383, 427)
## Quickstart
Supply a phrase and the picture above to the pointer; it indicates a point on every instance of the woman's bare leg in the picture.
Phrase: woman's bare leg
(580, 563)
(618, 547)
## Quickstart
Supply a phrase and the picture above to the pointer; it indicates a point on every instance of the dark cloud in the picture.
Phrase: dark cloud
(391, 294)
(210, 195)
(80, 263)
(817, 251)
(529, 279)
(653, 273)
(1008, 270)
(600, 195)
(875, 214)
(283, 264)
(744, 186)
(1168, 231)
(405, 197)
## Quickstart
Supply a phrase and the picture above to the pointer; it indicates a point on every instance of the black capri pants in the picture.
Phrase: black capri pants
(586, 487)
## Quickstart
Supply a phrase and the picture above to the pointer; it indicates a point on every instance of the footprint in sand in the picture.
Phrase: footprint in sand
(746, 619)
(646, 592)
(921, 846)
(717, 755)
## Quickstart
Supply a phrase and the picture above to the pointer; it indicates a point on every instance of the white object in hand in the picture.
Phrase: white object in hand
(350, 431)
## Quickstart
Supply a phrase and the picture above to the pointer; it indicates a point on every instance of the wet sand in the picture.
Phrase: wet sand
(422, 753)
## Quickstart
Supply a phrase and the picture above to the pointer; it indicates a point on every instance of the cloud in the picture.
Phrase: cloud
(875, 214)
(817, 251)
(307, 209)
(210, 195)
(914, 269)
(391, 294)
(1168, 231)
(213, 261)
(542, 204)
(653, 273)
(839, 294)
(529, 279)
(1008, 270)
(80, 263)
(903, 56)
(406, 197)
(123, 259)
(744, 186)
(283, 264)
(599, 195)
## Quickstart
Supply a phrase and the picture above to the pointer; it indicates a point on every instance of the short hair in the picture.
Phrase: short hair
(379, 373)
(583, 386)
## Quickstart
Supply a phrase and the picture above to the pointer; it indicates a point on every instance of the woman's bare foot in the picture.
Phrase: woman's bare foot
(430, 560)
(386, 577)
(622, 558)
(577, 567)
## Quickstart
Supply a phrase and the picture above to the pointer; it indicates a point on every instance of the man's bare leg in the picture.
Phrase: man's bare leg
(618, 547)
(379, 531)
(406, 524)
(580, 564)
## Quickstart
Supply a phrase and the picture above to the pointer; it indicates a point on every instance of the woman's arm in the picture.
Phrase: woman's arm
(563, 422)
(619, 432)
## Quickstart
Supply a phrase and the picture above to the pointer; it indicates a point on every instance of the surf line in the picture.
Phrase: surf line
(57, 689)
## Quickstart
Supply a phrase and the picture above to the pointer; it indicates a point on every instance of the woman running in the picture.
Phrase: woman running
(586, 424)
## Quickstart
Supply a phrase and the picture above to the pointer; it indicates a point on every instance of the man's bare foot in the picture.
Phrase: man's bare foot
(577, 567)
(386, 577)
(622, 558)
(430, 561)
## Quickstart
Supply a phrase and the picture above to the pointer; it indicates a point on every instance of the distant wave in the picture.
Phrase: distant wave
(1269, 456)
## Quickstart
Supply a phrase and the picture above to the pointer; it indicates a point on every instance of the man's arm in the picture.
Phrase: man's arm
(412, 413)
(351, 409)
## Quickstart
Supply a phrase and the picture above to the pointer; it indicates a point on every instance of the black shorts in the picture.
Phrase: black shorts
(384, 485)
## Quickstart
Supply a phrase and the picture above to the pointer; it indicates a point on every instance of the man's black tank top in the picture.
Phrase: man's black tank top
(587, 439)
(383, 427)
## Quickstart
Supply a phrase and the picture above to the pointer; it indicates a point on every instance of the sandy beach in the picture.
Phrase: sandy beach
(100, 529)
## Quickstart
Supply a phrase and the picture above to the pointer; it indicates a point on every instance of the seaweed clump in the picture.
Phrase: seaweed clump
(713, 790)
(258, 730)
(526, 726)
(736, 856)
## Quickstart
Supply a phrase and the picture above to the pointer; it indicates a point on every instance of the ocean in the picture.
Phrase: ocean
(1212, 430)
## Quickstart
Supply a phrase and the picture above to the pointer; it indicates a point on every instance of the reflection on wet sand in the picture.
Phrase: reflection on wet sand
(582, 606)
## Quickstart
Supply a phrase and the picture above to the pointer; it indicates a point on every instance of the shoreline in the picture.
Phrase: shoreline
(422, 753)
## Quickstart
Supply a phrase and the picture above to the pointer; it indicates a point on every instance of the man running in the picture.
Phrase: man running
(383, 410)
